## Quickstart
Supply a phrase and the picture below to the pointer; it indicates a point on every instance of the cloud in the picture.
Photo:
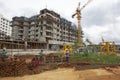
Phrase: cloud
(6, 11)
(102, 13)
(28, 12)
(3, 8)
(102, 18)
(110, 32)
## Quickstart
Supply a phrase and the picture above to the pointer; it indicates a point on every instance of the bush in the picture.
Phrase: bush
(97, 58)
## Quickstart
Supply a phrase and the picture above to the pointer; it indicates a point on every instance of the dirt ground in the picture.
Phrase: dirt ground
(107, 73)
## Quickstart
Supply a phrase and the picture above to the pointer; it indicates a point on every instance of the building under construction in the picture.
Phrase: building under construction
(46, 30)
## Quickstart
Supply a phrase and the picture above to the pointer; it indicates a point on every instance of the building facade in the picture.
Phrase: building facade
(46, 27)
(5, 28)
(20, 28)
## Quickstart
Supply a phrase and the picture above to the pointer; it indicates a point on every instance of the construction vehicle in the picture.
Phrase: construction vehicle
(67, 47)
(80, 33)
(107, 47)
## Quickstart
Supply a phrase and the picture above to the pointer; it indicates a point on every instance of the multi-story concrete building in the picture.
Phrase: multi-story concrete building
(5, 28)
(68, 30)
(47, 27)
(20, 28)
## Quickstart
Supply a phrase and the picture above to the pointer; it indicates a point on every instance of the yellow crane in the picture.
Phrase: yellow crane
(78, 13)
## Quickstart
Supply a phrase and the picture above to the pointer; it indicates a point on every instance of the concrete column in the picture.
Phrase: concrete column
(47, 46)
(25, 45)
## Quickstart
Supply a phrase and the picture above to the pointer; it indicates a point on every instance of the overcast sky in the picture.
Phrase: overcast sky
(100, 18)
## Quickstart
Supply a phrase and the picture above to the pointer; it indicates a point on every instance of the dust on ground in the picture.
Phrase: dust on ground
(70, 74)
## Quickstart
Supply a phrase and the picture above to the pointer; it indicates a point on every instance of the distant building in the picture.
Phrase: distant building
(20, 28)
(5, 28)
(118, 47)
(47, 27)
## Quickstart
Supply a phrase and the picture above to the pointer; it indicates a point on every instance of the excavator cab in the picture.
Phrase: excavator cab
(67, 47)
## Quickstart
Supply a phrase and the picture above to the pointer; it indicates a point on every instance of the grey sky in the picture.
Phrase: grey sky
(99, 18)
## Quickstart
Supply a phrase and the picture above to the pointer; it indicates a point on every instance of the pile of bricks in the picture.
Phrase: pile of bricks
(12, 68)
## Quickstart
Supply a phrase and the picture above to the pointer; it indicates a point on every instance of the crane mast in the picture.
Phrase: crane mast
(78, 14)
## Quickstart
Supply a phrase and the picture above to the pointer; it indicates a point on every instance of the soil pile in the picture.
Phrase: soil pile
(71, 74)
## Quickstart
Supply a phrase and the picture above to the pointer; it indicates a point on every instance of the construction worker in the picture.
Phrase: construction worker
(4, 54)
(35, 61)
(41, 53)
(67, 55)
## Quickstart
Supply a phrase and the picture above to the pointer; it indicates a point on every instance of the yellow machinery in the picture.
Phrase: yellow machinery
(67, 47)
(78, 13)
(108, 47)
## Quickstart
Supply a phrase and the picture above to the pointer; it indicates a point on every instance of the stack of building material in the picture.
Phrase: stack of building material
(14, 68)
(49, 58)
(57, 59)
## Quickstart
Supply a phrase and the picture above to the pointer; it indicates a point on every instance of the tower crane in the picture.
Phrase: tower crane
(78, 14)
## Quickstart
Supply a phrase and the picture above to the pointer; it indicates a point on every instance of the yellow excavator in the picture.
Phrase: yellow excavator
(67, 47)
(107, 47)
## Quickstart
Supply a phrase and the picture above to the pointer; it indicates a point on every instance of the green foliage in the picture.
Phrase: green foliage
(96, 58)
